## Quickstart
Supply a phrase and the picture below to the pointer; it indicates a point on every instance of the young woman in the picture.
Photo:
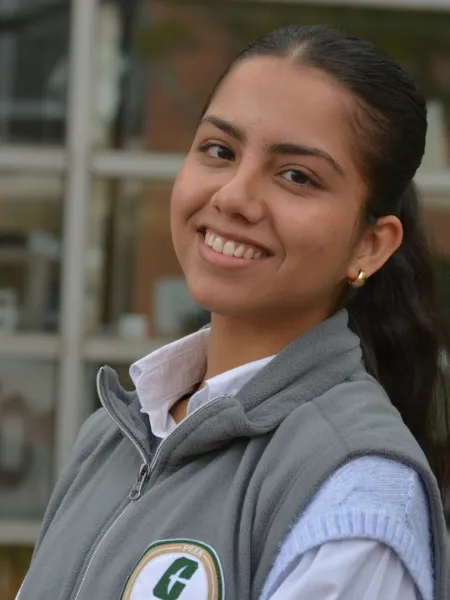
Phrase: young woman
(280, 453)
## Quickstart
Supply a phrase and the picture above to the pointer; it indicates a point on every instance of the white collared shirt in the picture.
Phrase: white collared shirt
(169, 373)
(339, 570)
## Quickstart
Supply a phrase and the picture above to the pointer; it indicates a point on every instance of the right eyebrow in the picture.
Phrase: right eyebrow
(227, 127)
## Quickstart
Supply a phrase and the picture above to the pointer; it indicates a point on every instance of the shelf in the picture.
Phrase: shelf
(433, 181)
(137, 165)
(41, 159)
(23, 255)
(30, 345)
(18, 532)
(118, 350)
(96, 349)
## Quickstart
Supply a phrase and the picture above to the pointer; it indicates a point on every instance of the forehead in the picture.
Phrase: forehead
(272, 99)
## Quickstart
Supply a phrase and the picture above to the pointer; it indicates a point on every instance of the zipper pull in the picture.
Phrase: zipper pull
(136, 490)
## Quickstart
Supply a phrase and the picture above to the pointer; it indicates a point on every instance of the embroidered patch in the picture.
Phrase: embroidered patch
(176, 570)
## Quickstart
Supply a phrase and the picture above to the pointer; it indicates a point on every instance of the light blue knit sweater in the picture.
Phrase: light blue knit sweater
(373, 498)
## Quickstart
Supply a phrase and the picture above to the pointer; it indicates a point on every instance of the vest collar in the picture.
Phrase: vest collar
(312, 364)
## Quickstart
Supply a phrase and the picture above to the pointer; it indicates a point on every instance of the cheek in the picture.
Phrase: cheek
(183, 202)
(177, 217)
(321, 239)
(189, 197)
(182, 197)
(190, 190)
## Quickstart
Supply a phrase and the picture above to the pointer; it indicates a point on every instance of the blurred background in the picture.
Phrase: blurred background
(98, 103)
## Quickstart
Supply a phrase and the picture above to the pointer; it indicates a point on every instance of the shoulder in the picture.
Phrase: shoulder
(90, 435)
(358, 418)
(96, 426)
(373, 498)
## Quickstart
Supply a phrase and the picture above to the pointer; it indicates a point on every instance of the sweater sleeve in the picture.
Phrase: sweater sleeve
(346, 570)
(372, 499)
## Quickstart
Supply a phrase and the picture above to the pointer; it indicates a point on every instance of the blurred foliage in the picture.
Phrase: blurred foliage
(398, 31)
(162, 39)
(416, 38)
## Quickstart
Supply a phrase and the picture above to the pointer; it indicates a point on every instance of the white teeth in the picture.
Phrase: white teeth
(229, 248)
(239, 252)
(218, 244)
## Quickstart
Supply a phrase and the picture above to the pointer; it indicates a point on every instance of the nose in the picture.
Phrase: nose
(239, 197)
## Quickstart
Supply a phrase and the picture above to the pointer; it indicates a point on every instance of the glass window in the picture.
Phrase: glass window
(136, 288)
(30, 252)
(27, 415)
(34, 64)
(161, 59)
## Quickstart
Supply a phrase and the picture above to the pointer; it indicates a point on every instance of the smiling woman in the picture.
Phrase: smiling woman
(289, 437)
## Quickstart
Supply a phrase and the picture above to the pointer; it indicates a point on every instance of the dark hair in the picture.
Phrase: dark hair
(397, 314)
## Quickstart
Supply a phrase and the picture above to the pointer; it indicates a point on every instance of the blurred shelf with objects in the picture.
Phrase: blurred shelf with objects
(98, 103)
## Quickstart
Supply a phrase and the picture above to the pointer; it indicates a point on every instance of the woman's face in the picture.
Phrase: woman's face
(270, 182)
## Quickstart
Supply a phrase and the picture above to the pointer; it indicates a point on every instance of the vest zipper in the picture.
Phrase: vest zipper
(133, 495)
(185, 420)
(119, 425)
(144, 474)
(136, 490)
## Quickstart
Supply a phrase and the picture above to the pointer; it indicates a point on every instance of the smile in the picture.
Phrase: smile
(232, 248)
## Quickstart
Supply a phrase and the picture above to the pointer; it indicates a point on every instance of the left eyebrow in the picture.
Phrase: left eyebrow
(288, 148)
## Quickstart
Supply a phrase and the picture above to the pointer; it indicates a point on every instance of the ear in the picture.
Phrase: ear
(376, 245)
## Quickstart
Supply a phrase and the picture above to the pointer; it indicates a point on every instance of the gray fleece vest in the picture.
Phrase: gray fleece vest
(204, 517)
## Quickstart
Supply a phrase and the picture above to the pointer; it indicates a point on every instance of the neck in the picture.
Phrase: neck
(236, 341)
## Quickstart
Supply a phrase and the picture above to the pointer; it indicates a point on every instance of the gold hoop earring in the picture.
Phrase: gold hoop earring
(359, 281)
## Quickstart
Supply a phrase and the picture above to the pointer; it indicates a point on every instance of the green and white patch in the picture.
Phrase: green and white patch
(176, 570)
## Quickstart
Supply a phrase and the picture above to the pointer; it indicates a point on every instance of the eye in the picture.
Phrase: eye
(299, 178)
(217, 151)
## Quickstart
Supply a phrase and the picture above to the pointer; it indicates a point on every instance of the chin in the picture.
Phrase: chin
(214, 301)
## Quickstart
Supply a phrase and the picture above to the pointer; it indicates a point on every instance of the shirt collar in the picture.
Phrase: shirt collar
(226, 384)
(164, 376)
